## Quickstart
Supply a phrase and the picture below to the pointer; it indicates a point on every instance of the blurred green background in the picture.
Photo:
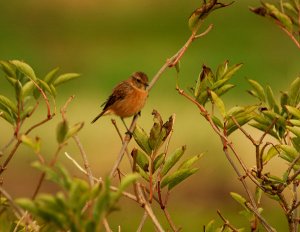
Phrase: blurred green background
(106, 41)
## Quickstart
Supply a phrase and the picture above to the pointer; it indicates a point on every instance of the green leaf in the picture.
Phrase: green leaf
(143, 174)
(195, 19)
(189, 162)
(27, 204)
(65, 77)
(45, 86)
(6, 115)
(210, 227)
(295, 122)
(172, 159)
(9, 104)
(231, 71)
(51, 76)
(224, 89)
(293, 111)
(239, 199)
(61, 131)
(296, 143)
(27, 89)
(284, 99)
(217, 121)
(264, 128)
(8, 69)
(127, 181)
(241, 119)
(34, 144)
(258, 89)
(283, 18)
(74, 129)
(24, 68)
(18, 89)
(273, 116)
(141, 138)
(158, 161)
(177, 177)
(141, 159)
(156, 133)
(271, 99)
(289, 153)
(294, 130)
(290, 7)
(219, 103)
(294, 92)
(272, 152)
(221, 70)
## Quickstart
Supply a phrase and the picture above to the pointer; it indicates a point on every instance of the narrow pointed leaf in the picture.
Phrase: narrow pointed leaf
(294, 92)
(271, 99)
(177, 177)
(141, 159)
(27, 89)
(219, 103)
(222, 69)
(232, 70)
(172, 159)
(289, 153)
(158, 161)
(51, 76)
(24, 68)
(8, 69)
(61, 131)
(9, 104)
(189, 162)
(239, 199)
(73, 130)
(283, 18)
(64, 78)
(272, 152)
(259, 90)
(294, 130)
(224, 89)
(293, 111)
(141, 138)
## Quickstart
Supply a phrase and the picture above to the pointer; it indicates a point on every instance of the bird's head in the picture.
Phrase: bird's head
(140, 80)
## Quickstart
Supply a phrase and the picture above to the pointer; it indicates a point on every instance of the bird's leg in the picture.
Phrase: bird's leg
(127, 130)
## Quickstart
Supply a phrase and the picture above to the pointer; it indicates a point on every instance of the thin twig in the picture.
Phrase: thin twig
(85, 160)
(120, 135)
(148, 209)
(124, 146)
(63, 109)
(106, 225)
(99, 180)
(142, 222)
(293, 38)
(169, 219)
(226, 222)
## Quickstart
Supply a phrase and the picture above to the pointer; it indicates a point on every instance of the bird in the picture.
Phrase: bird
(127, 98)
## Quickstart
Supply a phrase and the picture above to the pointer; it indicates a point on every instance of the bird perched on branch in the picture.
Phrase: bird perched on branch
(128, 97)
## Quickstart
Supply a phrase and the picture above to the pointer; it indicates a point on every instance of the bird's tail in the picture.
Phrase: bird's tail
(98, 116)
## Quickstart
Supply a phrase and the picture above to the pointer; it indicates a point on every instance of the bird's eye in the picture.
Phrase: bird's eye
(138, 80)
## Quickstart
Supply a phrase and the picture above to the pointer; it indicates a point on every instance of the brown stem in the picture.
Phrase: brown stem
(293, 38)
(85, 160)
(226, 222)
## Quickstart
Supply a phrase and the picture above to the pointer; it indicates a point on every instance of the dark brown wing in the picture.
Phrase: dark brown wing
(119, 93)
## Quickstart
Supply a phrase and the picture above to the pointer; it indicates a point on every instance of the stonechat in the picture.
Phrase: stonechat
(128, 97)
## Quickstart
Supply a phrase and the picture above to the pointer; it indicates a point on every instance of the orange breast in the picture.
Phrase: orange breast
(131, 104)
